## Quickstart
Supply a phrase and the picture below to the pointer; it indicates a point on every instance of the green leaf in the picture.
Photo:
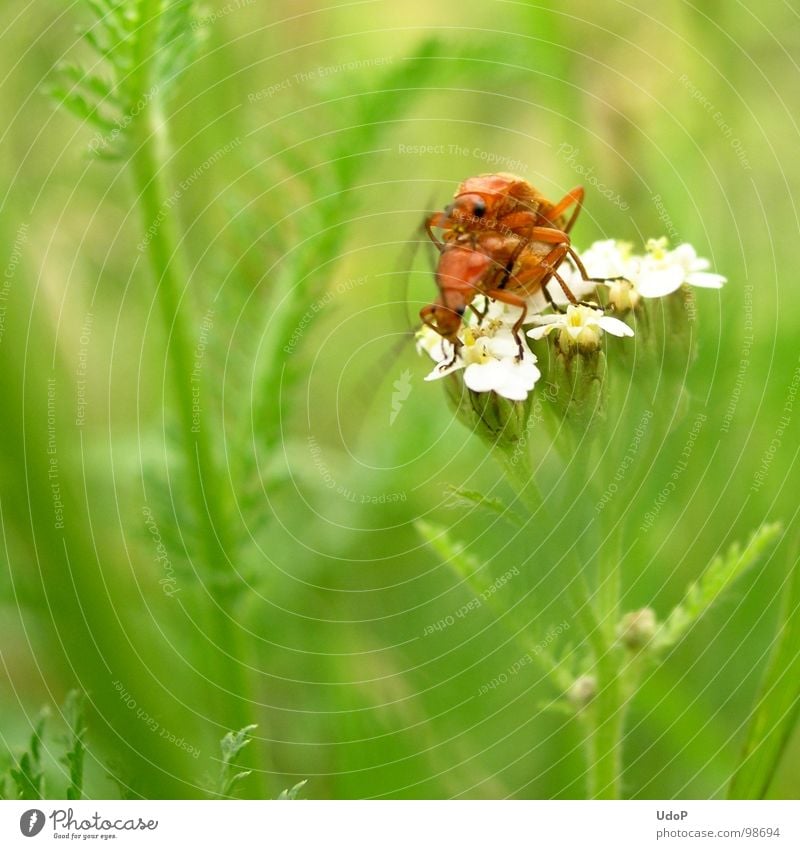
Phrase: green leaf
(454, 553)
(232, 744)
(82, 108)
(28, 776)
(714, 583)
(93, 85)
(138, 59)
(398, 88)
(74, 757)
(560, 669)
(291, 793)
(493, 505)
(777, 709)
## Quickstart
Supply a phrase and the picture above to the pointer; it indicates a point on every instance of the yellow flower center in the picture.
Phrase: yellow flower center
(657, 248)
(575, 316)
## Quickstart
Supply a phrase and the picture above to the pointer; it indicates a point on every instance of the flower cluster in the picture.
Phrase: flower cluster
(488, 352)
(655, 274)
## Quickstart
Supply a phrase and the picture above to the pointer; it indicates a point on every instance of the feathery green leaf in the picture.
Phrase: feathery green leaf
(28, 776)
(714, 583)
(232, 744)
(73, 758)
(291, 792)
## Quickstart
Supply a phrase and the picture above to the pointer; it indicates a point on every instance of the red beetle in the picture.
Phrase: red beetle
(500, 238)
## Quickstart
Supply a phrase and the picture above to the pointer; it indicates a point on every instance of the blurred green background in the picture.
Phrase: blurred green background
(299, 185)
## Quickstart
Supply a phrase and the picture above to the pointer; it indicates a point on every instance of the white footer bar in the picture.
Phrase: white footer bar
(402, 825)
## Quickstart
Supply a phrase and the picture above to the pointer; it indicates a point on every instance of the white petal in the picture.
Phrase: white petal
(706, 280)
(658, 282)
(551, 318)
(686, 255)
(520, 378)
(535, 303)
(441, 371)
(502, 344)
(614, 326)
(607, 258)
(483, 377)
(576, 330)
(541, 330)
(579, 287)
(431, 343)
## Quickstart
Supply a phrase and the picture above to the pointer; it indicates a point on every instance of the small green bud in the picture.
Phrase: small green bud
(587, 340)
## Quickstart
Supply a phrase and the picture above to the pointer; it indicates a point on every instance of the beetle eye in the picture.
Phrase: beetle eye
(479, 209)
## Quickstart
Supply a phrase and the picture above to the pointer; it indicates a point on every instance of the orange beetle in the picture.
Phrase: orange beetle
(501, 238)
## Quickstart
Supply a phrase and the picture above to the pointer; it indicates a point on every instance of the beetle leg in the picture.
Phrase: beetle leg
(480, 315)
(544, 270)
(582, 270)
(426, 316)
(513, 300)
(431, 222)
(549, 298)
(573, 196)
(567, 291)
(584, 274)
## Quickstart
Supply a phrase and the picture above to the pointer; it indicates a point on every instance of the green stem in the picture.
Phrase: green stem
(603, 718)
(604, 722)
(610, 584)
(206, 481)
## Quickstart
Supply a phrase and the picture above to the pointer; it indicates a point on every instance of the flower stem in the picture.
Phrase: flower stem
(605, 726)
(603, 718)
(606, 715)
(150, 145)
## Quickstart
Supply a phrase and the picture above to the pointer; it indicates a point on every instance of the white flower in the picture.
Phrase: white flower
(608, 258)
(661, 272)
(580, 326)
(611, 260)
(696, 267)
(657, 273)
(488, 355)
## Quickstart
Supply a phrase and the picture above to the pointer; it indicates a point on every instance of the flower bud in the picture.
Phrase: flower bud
(582, 691)
(576, 380)
(623, 296)
(489, 373)
(637, 628)
(490, 416)
(587, 341)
